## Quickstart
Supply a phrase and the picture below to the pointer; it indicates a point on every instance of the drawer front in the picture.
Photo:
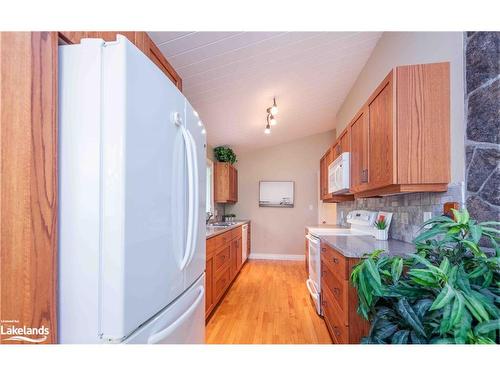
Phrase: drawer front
(333, 314)
(335, 261)
(337, 288)
(223, 239)
(222, 282)
(236, 232)
(222, 257)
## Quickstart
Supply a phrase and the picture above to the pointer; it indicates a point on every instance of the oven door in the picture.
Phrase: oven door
(313, 282)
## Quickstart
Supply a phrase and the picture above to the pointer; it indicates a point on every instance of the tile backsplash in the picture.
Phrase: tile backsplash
(408, 209)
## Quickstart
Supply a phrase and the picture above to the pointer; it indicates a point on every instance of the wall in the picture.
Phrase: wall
(482, 58)
(279, 232)
(405, 48)
(408, 209)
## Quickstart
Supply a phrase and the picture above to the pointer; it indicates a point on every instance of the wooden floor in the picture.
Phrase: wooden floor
(268, 303)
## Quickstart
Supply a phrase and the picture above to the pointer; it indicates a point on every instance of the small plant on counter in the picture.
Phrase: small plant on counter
(381, 224)
(446, 293)
(225, 154)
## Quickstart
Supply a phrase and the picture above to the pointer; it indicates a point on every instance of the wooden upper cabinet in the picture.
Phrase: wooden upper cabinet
(345, 141)
(140, 38)
(225, 183)
(323, 174)
(336, 150)
(408, 137)
(359, 151)
(423, 118)
(381, 130)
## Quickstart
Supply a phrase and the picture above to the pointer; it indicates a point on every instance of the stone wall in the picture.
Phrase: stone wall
(408, 209)
(482, 103)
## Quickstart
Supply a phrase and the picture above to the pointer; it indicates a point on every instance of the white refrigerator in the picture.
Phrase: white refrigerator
(132, 200)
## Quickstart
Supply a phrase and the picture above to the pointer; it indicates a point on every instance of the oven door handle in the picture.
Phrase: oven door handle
(312, 239)
(310, 287)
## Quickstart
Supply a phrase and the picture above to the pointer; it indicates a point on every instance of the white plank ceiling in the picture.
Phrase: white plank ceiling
(231, 78)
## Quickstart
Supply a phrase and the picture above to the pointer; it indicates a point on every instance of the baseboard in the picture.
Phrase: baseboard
(276, 256)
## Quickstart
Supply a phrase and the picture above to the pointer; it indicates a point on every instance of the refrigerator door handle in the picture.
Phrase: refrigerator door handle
(196, 198)
(191, 217)
(159, 336)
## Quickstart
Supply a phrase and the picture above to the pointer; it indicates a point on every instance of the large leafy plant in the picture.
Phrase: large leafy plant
(225, 154)
(447, 292)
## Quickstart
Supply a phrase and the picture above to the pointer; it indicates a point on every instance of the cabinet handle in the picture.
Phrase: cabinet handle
(323, 249)
(336, 330)
(335, 260)
(364, 175)
(336, 291)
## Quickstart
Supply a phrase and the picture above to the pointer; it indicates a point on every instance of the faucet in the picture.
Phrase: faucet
(209, 216)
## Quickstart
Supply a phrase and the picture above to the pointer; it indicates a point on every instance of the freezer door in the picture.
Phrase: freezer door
(196, 263)
(144, 183)
(183, 322)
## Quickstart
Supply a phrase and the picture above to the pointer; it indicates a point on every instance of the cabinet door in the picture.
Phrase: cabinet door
(235, 185)
(359, 153)
(328, 160)
(239, 249)
(234, 259)
(209, 285)
(322, 178)
(231, 183)
(336, 151)
(381, 133)
(345, 141)
(221, 182)
(324, 163)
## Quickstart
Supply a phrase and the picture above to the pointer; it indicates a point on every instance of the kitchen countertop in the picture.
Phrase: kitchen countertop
(214, 231)
(357, 246)
(334, 226)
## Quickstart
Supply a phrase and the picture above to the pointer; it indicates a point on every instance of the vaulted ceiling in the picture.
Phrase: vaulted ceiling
(232, 77)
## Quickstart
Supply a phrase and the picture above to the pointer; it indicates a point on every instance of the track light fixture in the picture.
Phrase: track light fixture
(271, 117)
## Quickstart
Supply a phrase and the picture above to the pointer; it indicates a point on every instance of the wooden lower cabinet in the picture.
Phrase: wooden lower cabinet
(339, 299)
(224, 262)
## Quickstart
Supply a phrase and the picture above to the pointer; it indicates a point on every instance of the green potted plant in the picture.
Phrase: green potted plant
(381, 232)
(225, 154)
(447, 292)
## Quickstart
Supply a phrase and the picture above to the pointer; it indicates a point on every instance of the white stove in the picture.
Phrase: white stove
(361, 224)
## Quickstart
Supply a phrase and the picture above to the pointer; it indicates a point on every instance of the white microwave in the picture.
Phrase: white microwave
(338, 175)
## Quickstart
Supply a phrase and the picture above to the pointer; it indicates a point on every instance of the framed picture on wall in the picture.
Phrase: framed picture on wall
(278, 194)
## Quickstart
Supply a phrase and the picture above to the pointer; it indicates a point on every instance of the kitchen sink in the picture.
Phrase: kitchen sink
(222, 224)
